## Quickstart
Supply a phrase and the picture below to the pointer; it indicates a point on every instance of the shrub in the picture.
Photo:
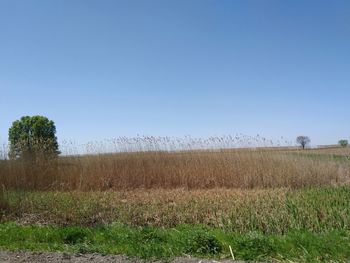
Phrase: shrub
(74, 235)
(343, 143)
(202, 242)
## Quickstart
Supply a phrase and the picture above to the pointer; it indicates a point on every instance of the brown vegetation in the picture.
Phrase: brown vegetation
(245, 169)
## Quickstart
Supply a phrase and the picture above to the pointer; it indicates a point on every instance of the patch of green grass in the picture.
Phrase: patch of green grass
(165, 243)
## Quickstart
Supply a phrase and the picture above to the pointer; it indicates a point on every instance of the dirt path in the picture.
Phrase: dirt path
(37, 257)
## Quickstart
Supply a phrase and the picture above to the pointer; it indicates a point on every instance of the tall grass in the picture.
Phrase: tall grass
(149, 162)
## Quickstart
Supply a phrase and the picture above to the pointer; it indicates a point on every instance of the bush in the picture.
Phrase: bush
(201, 242)
(253, 246)
(74, 235)
(343, 143)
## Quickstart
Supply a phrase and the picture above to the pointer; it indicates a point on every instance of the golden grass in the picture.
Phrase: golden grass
(244, 169)
(341, 151)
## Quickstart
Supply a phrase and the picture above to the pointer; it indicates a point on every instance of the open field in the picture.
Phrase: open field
(267, 204)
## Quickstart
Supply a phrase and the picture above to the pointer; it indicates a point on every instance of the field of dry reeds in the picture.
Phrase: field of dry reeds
(148, 165)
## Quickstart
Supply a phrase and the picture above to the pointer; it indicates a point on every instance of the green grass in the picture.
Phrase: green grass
(271, 211)
(166, 243)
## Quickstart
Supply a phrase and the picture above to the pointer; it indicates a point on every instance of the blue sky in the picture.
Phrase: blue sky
(102, 69)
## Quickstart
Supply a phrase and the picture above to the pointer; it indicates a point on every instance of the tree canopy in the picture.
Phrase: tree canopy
(343, 143)
(33, 136)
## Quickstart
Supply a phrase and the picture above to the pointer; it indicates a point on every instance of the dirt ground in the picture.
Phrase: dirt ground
(37, 257)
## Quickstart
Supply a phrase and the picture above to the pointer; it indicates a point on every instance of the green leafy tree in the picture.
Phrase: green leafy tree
(33, 137)
(343, 143)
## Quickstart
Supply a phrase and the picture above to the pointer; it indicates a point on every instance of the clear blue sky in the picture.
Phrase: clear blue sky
(103, 69)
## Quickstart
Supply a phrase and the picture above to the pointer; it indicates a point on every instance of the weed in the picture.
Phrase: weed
(202, 243)
(74, 235)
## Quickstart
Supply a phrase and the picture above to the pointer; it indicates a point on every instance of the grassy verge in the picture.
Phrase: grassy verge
(304, 225)
(165, 243)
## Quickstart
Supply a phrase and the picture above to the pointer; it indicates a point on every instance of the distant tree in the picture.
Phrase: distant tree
(343, 143)
(33, 137)
(303, 141)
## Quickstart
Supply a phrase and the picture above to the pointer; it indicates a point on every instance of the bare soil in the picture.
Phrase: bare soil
(37, 257)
